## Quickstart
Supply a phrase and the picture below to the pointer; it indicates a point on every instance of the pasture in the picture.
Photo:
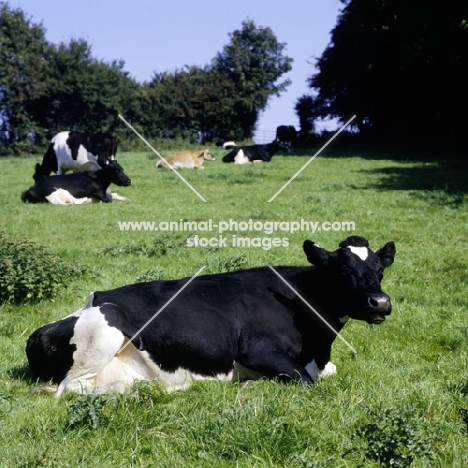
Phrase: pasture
(402, 397)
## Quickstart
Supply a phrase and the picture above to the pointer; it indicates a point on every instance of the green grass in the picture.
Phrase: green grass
(413, 367)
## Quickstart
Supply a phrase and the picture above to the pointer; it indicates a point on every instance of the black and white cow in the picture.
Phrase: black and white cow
(230, 326)
(67, 188)
(252, 153)
(287, 136)
(77, 152)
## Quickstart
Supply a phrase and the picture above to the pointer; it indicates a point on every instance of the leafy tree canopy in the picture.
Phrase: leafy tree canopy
(400, 66)
(45, 88)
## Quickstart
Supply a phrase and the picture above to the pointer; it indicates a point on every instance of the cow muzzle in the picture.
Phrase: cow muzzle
(379, 305)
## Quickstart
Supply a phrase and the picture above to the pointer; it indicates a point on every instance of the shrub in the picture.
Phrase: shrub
(89, 411)
(393, 439)
(28, 273)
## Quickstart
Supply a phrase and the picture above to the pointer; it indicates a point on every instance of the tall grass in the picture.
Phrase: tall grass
(408, 382)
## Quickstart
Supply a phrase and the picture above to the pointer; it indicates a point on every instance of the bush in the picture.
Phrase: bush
(393, 439)
(28, 273)
(91, 411)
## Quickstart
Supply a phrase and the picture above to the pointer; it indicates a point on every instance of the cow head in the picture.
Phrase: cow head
(39, 172)
(206, 155)
(103, 146)
(276, 146)
(355, 273)
(116, 175)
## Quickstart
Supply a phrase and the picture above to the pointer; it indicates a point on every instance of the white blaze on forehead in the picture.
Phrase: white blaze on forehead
(361, 252)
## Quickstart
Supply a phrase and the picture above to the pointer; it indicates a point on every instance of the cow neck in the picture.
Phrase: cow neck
(314, 282)
(105, 177)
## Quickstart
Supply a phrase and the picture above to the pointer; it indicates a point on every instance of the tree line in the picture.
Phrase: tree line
(45, 88)
(400, 66)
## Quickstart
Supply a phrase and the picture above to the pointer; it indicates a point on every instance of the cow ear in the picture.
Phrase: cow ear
(387, 254)
(315, 254)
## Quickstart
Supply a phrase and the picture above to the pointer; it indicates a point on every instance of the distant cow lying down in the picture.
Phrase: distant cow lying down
(252, 153)
(187, 159)
(77, 188)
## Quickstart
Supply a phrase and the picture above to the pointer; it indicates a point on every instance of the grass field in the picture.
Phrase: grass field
(403, 397)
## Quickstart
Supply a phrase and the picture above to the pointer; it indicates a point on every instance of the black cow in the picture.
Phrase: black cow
(243, 324)
(252, 153)
(287, 136)
(75, 151)
(90, 184)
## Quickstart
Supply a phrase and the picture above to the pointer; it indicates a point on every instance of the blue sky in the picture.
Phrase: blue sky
(165, 35)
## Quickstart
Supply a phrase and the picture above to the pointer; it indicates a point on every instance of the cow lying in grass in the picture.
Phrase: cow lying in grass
(187, 159)
(252, 153)
(240, 325)
(81, 187)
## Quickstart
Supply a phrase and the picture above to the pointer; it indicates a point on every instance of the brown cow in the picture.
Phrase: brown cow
(187, 159)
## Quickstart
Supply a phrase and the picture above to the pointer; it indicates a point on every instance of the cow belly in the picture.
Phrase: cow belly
(84, 161)
(182, 164)
(132, 365)
(181, 379)
(75, 166)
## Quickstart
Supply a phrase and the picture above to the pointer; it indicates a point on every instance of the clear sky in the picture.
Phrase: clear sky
(164, 35)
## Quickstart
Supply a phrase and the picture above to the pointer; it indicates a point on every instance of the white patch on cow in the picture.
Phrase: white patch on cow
(65, 161)
(181, 379)
(361, 252)
(315, 373)
(241, 158)
(344, 319)
(116, 196)
(64, 197)
(98, 367)
(96, 344)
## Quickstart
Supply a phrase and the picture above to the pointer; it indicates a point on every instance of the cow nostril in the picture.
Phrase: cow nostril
(379, 302)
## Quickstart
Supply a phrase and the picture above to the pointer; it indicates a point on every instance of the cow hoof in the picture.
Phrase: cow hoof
(329, 369)
(316, 373)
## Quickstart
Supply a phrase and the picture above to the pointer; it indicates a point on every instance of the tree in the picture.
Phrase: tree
(400, 66)
(46, 88)
(24, 54)
(225, 97)
(307, 113)
(83, 93)
(253, 62)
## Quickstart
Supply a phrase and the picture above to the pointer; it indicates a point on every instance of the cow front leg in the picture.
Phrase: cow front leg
(103, 196)
(278, 365)
(316, 373)
(320, 366)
